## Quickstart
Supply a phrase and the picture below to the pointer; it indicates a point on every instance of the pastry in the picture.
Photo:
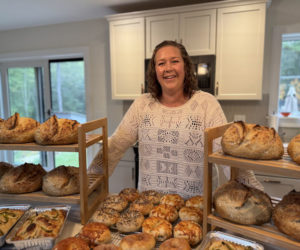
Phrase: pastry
(8, 218)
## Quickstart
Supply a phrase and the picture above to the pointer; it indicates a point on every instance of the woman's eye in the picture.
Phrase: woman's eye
(160, 64)
(175, 61)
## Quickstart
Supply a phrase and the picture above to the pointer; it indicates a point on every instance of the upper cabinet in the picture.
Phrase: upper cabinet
(196, 30)
(240, 52)
(233, 30)
(127, 57)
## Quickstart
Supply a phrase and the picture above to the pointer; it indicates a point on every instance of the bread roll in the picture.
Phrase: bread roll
(61, 181)
(57, 131)
(17, 129)
(96, 233)
(25, 178)
(241, 204)
(286, 215)
(189, 230)
(139, 241)
(294, 149)
(4, 167)
(72, 243)
(175, 244)
(252, 141)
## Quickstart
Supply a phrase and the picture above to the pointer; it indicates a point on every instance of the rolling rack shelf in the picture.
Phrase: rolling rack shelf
(266, 233)
(93, 187)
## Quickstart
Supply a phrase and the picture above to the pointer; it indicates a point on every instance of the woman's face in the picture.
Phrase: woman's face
(169, 68)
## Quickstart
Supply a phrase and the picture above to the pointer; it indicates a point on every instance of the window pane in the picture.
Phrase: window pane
(68, 99)
(289, 87)
(23, 98)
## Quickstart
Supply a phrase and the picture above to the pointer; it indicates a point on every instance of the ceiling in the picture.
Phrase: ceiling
(16, 14)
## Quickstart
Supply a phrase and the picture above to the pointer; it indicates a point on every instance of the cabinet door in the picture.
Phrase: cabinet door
(240, 48)
(197, 32)
(127, 57)
(158, 29)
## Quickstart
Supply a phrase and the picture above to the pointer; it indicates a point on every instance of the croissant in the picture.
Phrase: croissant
(252, 141)
(17, 129)
(57, 131)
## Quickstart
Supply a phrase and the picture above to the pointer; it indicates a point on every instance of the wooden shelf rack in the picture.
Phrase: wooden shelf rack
(93, 188)
(266, 233)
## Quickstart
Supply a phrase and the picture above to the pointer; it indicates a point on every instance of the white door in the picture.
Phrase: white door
(239, 56)
(198, 32)
(127, 55)
(160, 28)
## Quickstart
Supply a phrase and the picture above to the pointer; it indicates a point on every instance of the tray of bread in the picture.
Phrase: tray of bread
(39, 227)
(132, 219)
(9, 216)
(224, 241)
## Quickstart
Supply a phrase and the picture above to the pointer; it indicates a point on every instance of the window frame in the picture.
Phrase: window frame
(277, 37)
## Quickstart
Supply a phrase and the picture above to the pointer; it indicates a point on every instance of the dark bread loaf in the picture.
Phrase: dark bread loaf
(286, 214)
(25, 178)
(61, 181)
(294, 149)
(242, 204)
(56, 131)
(17, 129)
(4, 167)
(252, 141)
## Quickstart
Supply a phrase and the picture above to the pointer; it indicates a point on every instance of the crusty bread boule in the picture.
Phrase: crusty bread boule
(17, 129)
(25, 178)
(57, 131)
(4, 167)
(294, 149)
(286, 214)
(63, 180)
(252, 141)
(239, 203)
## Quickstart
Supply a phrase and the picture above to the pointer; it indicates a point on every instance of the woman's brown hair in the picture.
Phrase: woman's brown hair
(190, 83)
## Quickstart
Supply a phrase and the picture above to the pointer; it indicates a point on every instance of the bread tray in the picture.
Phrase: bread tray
(23, 207)
(39, 243)
(231, 238)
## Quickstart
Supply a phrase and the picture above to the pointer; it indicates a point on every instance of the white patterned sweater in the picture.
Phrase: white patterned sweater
(171, 143)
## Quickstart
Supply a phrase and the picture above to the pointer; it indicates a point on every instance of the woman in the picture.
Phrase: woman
(169, 124)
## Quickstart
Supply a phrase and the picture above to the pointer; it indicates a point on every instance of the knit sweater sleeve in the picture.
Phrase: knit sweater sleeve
(124, 136)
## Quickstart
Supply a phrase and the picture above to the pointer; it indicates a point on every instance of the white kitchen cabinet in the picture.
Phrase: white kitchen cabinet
(127, 57)
(196, 30)
(239, 52)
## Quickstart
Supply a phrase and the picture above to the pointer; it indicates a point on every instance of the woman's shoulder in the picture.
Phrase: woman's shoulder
(144, 99)
(202, 95)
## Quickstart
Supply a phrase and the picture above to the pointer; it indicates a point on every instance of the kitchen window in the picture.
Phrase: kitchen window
(39, 89)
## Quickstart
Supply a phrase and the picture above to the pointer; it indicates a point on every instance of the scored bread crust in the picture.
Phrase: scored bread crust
(294, 149)
(4, 167)
(62, 180)
(242, 204)
(17, 129)
(57, 131)
(286, 214)
(252, 141)
(25, 178)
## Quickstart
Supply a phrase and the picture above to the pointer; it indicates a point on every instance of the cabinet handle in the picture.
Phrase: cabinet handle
(217, 89)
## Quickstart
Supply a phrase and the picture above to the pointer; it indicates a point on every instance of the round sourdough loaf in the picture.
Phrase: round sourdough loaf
(57, 131)
(286, 215)
(62, 180)
(294, 149)
(25, 178)
(17, 129)
(4, 167)
(239, 203)
(252, 141)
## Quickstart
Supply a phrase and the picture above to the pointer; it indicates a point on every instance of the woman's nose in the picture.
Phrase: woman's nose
(168, 66)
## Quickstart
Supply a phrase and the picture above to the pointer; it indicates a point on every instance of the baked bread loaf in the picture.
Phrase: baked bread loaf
(57, 131)
(294, 149)
(4, 167)
(252, 141)
(96, 233)
(72, 243)
(160, 228)
(61, 181)
(18, 129)
(25, 178)
(175, 244)
(242, 204)
(189, 230)
(286, 215)
(139, 241)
